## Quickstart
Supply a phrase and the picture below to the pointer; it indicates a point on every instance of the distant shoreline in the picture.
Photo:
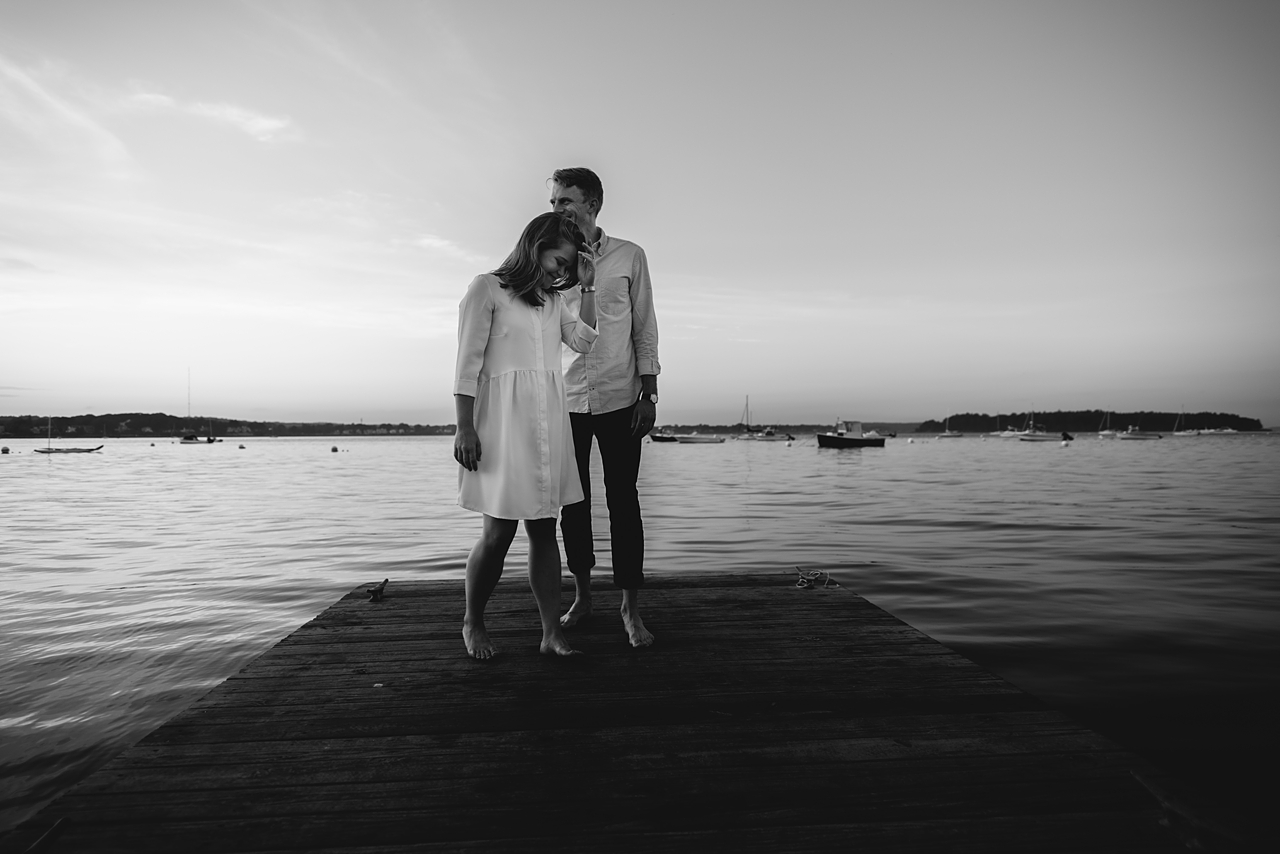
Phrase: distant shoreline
(161, 425)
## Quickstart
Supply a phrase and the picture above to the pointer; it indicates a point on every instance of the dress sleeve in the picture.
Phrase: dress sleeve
(475, 317)
(644, 323)
(574, 332)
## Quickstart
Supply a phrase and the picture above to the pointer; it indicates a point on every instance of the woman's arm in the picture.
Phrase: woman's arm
(578, 331)
(475, 318)
(587, 281)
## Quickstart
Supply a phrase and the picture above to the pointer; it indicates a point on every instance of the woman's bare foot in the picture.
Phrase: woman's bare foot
(578, 612)
(477, 641)
(557, 645)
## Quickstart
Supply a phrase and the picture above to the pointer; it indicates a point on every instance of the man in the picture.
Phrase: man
(613, 397)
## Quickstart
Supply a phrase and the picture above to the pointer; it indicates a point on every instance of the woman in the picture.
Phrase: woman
(513, 441)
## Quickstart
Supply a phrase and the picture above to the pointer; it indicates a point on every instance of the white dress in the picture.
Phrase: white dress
(509, 360)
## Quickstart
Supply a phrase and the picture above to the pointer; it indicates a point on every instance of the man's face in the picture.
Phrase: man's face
(569, 202)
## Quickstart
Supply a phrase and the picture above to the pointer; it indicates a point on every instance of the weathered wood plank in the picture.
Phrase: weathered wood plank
(765, 718)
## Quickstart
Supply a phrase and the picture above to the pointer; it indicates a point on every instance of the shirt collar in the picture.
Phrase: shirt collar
(602, 244)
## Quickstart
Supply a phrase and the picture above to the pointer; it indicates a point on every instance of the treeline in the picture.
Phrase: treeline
(1091, 420)
(734, 429)
(159, 424)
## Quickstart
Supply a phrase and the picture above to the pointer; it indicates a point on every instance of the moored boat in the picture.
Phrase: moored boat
(848, 434)
(50, 449)
(947, 432)
(1041, 436)
(1183, 433)
(1133, 434)
(698, 439)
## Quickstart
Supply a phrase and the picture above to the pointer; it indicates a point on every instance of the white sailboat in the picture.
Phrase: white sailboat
(1104, 428)
(1006, 433)
(947, 432)
(1034, 433)
(764, 434)
(1183, 433)
(50, 449)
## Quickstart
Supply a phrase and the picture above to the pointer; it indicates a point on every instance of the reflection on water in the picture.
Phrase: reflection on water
(1100, 575)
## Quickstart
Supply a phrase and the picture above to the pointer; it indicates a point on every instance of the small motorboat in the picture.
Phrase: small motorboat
(1133, 433)
(1063, 437)
(848, 434)
(698, 439)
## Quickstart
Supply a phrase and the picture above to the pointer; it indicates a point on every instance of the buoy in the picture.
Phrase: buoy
(334, 449)
(153, 444)
(911, 441)
(242, 447)
(788, 443)
(1064, 444)
(4, 450)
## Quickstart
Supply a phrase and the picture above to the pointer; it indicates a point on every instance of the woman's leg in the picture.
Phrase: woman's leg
(484, 568)
(544, 580)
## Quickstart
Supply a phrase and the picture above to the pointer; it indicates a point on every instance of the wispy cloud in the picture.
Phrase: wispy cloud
(18, 264)
(330, 45)
(447, 248)
(260, 126)
(29, 102)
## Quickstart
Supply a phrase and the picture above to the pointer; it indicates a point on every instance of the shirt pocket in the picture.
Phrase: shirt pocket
(613, 296)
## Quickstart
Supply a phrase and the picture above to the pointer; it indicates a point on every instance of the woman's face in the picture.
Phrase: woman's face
(557, 264)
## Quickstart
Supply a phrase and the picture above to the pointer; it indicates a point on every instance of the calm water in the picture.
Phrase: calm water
(1134, 583)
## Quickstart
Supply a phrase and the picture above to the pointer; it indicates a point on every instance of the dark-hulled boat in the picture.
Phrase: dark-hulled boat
(848, 434)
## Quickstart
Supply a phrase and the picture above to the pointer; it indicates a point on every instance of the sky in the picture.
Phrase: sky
(882, 211)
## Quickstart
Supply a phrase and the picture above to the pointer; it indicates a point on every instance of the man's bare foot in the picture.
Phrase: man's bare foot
(477, 641)
(578, 612)
(636, 632)
(557, 645)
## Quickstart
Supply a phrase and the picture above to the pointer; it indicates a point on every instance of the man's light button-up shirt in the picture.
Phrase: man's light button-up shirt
(608, 378)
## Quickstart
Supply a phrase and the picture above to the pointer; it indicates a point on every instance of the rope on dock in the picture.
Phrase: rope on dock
(808, 579)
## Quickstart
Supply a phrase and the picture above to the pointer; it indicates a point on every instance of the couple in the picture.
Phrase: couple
(527, 417)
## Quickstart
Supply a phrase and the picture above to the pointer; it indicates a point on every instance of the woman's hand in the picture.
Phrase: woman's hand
(586, 269)
(466, 441)
(466, 448)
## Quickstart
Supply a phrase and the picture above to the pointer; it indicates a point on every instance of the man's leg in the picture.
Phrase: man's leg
(575, 525)
(620, 455)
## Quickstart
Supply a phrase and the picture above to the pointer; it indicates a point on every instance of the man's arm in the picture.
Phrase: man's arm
(644, 339)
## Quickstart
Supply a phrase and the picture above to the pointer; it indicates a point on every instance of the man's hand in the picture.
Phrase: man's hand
(643, 418)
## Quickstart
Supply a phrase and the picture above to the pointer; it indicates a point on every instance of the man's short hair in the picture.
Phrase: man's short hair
(584, 179)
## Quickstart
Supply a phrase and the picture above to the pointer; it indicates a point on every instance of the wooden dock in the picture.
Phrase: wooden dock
(766, 718)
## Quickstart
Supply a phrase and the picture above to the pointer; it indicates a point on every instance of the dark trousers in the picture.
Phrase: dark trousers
(620, 456)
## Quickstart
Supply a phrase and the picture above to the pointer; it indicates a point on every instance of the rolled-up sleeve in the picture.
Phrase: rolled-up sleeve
(644, 323)
(574, 332)
(475, 317)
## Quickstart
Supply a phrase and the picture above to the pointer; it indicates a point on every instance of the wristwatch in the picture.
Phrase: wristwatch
(652, 398)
